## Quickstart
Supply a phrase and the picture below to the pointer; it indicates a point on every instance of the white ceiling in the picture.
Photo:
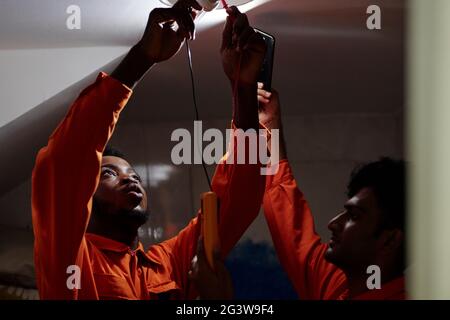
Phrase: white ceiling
(36, 44)
(327, 62)
(33, 24)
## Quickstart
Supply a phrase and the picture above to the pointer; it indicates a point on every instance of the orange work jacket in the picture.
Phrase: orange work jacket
(299, 247)
(64, 180)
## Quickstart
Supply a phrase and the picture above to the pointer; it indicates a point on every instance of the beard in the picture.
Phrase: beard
(134, 217)
(330, 255)
(336, 256)
(350, 259)
(137, 216)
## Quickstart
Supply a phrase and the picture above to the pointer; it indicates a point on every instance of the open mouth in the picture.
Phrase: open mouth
(134, 190)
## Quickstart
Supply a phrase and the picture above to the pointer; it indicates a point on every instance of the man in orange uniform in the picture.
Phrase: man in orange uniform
(369, 231)
(87, 206)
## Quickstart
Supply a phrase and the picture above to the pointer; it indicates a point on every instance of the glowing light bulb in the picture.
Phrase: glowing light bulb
(210, 5)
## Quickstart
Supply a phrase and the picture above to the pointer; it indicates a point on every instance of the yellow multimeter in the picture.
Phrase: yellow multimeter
(210, 225)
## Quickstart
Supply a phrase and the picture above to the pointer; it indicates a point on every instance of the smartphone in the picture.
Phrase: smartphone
(210, 225)
(267, 68)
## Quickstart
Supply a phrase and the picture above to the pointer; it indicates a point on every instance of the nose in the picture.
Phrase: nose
(335, 224)
(128, 178)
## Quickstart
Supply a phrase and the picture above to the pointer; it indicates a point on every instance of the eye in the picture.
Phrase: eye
(108, 172)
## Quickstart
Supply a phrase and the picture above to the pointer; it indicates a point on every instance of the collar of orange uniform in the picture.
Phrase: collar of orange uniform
(107, 244)
(393, 290)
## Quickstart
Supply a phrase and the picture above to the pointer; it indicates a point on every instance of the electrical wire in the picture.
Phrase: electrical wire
(194, 98)
(225, 4)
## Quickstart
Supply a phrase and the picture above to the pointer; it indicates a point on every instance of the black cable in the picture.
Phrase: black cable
(197, 118)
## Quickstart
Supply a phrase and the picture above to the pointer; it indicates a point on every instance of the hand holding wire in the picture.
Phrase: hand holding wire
(224, 4)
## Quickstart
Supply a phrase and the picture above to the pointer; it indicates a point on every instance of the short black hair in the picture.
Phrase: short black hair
(113, 152)
(386, 178)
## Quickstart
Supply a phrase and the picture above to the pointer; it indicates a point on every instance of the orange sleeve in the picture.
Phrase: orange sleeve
(64, 179)
(298, 246)
(240, 188)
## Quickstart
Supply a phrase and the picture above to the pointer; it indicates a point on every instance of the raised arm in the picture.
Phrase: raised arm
(66, 171)
(291, 223)
(239, 187)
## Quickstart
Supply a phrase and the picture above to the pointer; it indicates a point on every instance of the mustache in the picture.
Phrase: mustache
(100, 210)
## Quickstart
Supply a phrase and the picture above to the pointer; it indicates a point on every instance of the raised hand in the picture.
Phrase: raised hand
(269, 115)
(160, 40)
(269, 108)
(242, 49)
(211, 284)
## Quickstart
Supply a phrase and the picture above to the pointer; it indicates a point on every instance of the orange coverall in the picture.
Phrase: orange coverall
(65, 177)
(300, 249)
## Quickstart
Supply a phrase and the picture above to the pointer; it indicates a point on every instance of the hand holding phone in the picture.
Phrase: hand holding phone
(267, 68)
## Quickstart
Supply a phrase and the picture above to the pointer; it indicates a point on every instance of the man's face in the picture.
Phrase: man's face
(353, 243)
(120, 191)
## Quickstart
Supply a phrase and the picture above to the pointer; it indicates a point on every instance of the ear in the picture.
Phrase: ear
(390, 241)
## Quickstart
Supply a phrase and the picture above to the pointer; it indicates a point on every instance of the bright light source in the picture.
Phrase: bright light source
(215, 17)
(209, 5)
(209, 19)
